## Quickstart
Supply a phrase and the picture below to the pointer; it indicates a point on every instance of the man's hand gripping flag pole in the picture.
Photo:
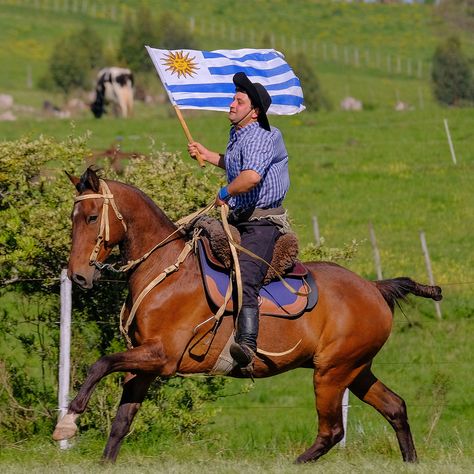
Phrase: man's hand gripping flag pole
(188, 134)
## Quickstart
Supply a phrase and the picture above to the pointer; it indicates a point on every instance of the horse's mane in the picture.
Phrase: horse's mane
(89, 180)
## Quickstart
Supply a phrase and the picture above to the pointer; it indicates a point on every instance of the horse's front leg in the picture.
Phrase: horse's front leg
(148, 358)
(134, 390)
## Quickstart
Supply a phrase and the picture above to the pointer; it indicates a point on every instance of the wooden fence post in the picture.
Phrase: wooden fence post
(373, 240)
(64, 348)
(345, 412)
(428, 269)
(420, 69)
(420, 97)
(451, 147)
(317, 236)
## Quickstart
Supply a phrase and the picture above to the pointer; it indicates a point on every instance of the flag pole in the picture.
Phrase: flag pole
(178, 112)
(188, 134)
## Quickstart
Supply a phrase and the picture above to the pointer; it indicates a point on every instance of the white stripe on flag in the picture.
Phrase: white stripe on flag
(203, 79)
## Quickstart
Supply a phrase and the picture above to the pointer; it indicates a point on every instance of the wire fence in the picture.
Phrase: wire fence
(393, 365)
(347, 55)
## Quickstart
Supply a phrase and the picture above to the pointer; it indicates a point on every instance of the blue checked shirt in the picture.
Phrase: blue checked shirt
(254, 148)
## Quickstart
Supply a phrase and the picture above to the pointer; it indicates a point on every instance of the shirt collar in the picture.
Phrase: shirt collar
(240, 132)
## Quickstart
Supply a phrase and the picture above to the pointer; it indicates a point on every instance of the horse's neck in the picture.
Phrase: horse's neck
(147, 225)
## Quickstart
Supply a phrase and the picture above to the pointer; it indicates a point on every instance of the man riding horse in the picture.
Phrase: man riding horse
(256, 164)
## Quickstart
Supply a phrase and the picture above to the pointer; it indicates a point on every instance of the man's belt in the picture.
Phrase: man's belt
(244, 215)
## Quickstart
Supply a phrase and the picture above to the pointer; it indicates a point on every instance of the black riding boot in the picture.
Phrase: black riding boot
(245, 346)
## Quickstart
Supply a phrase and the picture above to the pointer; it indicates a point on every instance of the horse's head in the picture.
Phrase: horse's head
(97, 226)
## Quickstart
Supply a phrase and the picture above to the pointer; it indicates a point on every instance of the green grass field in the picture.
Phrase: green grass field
(392, 169)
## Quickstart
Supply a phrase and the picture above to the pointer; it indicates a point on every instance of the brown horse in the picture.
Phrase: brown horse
(337, 339)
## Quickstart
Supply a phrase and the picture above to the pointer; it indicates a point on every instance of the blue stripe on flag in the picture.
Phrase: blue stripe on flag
(283, 85)
(227, 88)
(224, 102)
(250, 71)
(287, 100)
(247, 57)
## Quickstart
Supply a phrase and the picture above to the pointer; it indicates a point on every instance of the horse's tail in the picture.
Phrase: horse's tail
(398, 288)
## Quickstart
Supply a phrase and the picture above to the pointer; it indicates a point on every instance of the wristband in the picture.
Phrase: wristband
(224, 194)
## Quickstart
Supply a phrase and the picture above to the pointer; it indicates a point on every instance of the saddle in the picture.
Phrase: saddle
(275, 298)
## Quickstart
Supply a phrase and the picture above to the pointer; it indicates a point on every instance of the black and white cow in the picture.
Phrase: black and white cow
(115, 87)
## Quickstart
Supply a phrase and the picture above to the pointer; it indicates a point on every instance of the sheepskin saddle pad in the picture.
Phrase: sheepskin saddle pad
(275, 298)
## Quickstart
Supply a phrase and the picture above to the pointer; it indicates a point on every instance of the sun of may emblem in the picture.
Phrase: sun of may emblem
(180, 64)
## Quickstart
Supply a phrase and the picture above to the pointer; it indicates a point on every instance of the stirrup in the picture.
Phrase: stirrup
(244, 356)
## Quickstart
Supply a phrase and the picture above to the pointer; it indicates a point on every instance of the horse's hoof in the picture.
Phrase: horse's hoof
(299, 460)
(65, 429)
(304, 458)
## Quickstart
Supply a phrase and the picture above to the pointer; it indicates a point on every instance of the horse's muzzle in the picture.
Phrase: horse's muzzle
(82, 281)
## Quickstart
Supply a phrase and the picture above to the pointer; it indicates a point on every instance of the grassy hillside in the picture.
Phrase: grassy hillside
(393, 169)
(329, 32)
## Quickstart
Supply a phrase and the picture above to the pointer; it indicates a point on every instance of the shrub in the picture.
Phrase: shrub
(451, 74)
(35, 204)
(174, 33)
(72, 61)
(314, 97)
(313, 252)
(143, 29)
(139, 30)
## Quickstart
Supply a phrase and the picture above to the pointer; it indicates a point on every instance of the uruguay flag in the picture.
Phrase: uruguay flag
(203, 79)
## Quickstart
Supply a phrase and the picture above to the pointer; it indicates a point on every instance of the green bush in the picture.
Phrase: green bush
(452, 74)
(314, 253)
(139, 30)
(166, 32)
(174, 33)
(36, 199)
(314, 97)
(72, 61)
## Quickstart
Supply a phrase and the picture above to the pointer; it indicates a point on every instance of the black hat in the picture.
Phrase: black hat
(258, 95)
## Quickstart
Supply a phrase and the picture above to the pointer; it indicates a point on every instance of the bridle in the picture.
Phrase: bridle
(104, 228)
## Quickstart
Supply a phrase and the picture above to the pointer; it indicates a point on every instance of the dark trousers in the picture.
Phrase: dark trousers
(259, 237)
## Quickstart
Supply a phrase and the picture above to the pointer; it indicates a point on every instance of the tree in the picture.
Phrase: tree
(314, 98)
(452, 74)
(73, 59)
(166, 33)
(139, 30)
(174, 33)
(68, 66)
(88, 40)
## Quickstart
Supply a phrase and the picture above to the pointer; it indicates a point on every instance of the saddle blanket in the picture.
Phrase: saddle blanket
(275, 298)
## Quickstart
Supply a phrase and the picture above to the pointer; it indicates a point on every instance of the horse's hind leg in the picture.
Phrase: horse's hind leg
(370, 390)
(134, 391)
(329, 389)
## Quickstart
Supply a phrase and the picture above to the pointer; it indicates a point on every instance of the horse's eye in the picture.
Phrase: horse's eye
(91, 219)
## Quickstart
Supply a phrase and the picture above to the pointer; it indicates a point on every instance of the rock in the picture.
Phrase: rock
(402, 106)
(76, 105)
(6, 101)
(7, 116)
(350, 103)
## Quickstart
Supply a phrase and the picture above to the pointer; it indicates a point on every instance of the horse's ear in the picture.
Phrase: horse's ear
(74, 179)
(90, 177)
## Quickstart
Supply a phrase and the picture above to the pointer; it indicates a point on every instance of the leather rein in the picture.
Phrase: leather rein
(103, 236)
